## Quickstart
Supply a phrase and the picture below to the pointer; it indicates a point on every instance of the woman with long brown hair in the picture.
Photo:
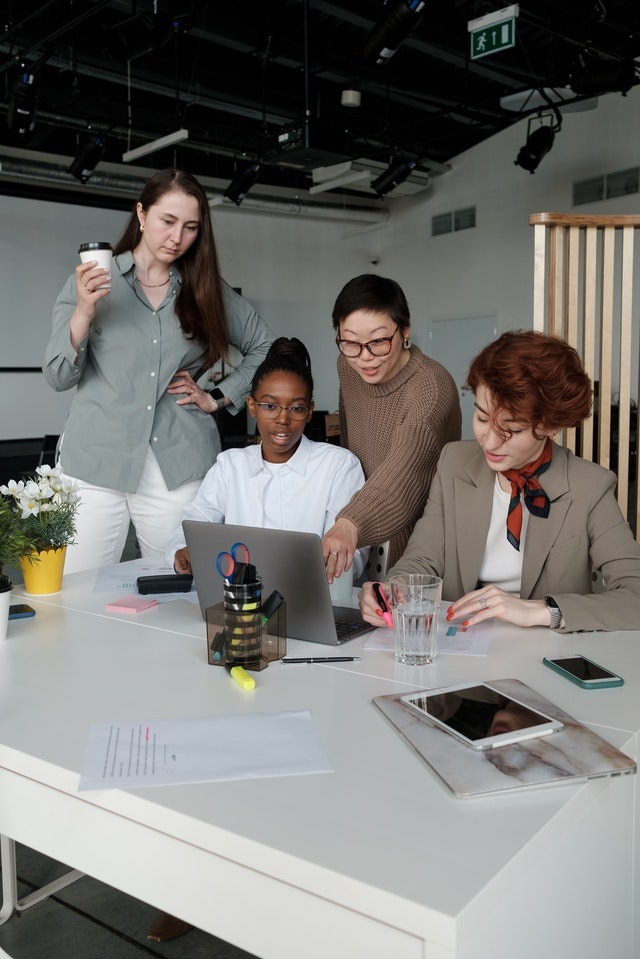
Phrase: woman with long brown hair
(139, 436)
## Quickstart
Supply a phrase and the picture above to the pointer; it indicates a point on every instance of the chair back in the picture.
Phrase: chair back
(378, 562)
(586, 272)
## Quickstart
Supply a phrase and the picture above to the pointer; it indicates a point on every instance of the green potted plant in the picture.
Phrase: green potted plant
(37, 523)
(15, 541)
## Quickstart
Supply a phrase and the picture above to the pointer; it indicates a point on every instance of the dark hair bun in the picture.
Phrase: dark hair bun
(288, 355)
(293, 347)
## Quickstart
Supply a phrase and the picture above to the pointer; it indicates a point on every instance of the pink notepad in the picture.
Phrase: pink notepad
(131, 604)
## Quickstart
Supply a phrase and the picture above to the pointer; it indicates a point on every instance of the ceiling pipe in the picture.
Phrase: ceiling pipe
(17, 168)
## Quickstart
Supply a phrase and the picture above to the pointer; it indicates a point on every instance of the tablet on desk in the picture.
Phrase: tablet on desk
(480, 716)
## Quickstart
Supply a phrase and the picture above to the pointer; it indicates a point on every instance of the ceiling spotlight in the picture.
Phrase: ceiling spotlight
(595, 76)
(393, 176)
(398, 23)
(539, 142)
(350, 98)
(87, 158)
(242, 183)
(21, 110)
(136, 36)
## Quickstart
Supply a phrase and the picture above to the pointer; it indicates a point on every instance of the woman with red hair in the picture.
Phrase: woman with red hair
(515, 524)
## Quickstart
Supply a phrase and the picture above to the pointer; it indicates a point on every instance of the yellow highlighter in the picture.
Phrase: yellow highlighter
(240, 675)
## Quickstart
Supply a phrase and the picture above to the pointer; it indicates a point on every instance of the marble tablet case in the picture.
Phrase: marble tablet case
(571, 754)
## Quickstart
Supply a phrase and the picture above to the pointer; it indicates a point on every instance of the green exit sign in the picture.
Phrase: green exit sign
(490, 39)
(493, 32)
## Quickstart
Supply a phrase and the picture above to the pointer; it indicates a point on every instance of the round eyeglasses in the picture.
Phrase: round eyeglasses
(378, 347)
(272, 410)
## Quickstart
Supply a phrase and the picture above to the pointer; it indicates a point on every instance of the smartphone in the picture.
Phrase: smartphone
(584, 672)
(21, 611)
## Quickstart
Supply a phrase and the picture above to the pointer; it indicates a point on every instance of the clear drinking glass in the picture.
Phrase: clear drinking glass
(415, 602)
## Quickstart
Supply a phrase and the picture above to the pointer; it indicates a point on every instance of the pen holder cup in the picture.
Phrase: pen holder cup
(236, 632)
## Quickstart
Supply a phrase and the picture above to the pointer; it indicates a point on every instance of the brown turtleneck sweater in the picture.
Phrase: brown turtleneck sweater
(397, 430)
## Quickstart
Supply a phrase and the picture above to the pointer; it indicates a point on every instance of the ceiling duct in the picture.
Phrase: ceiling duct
(53, 173)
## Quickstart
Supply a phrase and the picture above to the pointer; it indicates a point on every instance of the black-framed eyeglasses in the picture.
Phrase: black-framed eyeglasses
(378, 347)
(271, 410)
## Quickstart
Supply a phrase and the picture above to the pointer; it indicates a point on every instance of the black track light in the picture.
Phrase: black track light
(537, 146)
(21, 109)
(599, 76)
(87, 158)
(539, 140)
(242, 183)
(395, 174)
(398, 23)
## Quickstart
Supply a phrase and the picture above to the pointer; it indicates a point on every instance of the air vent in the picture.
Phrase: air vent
(441, 224)
(588, 191)
(622, 183)
(452, 222)
(609, 185)
(464, 219)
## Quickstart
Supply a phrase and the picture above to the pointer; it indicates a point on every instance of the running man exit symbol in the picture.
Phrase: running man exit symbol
(491, 39)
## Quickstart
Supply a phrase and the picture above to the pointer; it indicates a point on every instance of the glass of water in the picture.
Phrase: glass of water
(415, 601)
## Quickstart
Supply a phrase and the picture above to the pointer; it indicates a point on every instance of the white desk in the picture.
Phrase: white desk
(376, 859)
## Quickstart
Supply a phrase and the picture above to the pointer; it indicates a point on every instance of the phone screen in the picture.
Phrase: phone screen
(583, 668)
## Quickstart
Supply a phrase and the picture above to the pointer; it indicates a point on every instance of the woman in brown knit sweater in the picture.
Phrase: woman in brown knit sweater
(398, 408)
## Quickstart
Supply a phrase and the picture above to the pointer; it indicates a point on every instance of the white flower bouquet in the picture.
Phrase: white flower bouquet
(37, 514)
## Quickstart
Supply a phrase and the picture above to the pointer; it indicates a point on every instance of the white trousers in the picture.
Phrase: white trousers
(102, 521)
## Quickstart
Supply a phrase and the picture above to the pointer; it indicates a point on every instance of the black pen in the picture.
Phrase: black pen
(323, 659)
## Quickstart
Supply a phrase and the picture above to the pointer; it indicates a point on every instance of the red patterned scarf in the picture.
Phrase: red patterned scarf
(535, 498)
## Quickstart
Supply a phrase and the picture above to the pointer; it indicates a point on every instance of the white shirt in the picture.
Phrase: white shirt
(303, 494)
(502, 563)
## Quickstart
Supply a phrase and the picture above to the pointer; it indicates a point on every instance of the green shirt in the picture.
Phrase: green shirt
(122, 369)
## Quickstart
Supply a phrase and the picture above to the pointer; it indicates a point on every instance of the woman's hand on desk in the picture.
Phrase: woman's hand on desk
(490, 602)
(338, 547)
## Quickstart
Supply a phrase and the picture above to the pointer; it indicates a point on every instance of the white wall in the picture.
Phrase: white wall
(291, 268)
(489, 270)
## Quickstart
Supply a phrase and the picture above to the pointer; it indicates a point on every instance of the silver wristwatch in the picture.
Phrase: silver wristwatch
(556, 613)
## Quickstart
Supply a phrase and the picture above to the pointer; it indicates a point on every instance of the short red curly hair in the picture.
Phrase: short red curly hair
(537, 379)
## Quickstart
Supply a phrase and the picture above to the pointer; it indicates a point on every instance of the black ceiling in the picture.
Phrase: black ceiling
(241, 73)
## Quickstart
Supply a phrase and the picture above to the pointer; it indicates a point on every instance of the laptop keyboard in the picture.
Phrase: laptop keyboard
(344, 629)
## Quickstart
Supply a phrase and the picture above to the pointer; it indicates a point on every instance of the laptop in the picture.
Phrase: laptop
(286, 560)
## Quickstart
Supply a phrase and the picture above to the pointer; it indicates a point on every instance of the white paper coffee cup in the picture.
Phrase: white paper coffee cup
(5, 601)
(101, 253)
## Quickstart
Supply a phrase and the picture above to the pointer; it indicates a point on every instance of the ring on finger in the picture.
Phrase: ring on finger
(333, 553)
(483, 602)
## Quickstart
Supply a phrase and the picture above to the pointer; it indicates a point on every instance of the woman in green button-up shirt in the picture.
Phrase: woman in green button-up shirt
(139, 436)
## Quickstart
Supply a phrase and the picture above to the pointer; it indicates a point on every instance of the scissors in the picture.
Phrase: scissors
(232, 565)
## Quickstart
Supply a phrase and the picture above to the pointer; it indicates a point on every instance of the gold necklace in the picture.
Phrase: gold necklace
(153, 286)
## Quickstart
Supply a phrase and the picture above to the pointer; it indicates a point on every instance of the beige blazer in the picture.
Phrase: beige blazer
(585, 531)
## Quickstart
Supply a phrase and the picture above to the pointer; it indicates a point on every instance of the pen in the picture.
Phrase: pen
(382, 603)
(323, 659)
(240, 675)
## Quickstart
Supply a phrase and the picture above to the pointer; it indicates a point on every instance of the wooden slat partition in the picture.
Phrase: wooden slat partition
(584, 270)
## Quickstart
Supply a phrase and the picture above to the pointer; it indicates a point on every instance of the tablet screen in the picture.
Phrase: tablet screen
(480, 716)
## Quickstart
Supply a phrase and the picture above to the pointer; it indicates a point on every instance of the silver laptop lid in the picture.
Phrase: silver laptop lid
(286, 560)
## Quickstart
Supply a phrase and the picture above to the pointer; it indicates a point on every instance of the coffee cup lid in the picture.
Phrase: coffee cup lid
(93, 246)
(5, 584)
